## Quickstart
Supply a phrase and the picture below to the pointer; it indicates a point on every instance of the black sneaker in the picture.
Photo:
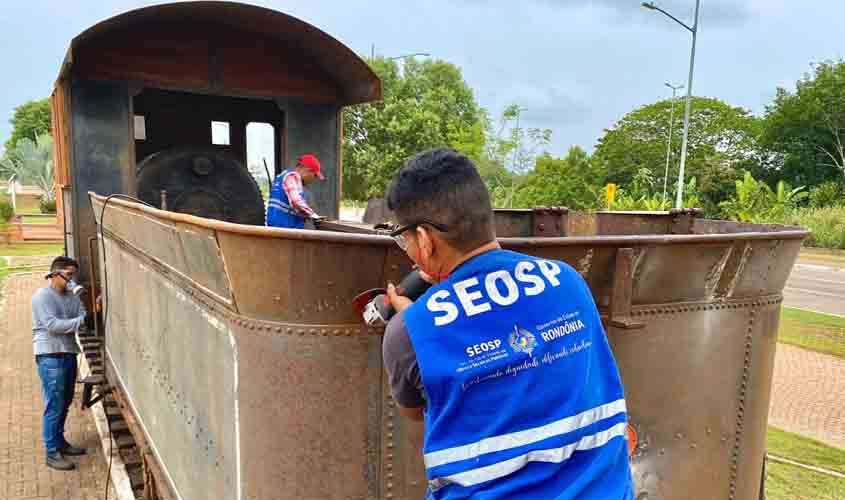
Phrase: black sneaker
(57, 461)
(73, 451)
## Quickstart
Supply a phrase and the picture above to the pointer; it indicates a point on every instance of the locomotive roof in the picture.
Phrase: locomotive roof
(222, 47)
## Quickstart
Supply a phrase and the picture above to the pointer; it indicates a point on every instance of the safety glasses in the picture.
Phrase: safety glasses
(398, 234)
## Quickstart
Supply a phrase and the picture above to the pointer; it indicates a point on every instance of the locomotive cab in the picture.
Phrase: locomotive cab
(157, 103)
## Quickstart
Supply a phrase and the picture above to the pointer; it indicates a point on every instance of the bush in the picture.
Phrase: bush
(826, 224)
(6, 211)
(829, 194)
(47, 206)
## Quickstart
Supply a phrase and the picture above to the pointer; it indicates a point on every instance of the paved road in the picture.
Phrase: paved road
(817, 288)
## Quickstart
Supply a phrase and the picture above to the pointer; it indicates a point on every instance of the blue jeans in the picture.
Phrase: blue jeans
(58, 379)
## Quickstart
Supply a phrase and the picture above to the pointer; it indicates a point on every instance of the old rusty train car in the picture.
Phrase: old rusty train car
(243, 386)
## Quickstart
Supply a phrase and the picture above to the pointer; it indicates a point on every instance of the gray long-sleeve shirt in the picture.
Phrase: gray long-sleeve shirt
(56, 319)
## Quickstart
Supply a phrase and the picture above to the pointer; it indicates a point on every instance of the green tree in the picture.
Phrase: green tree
(425, 104)
(722, 140)
(510, 155)
(807, 128)
(31, 162)
(567, 181)
(30, 120)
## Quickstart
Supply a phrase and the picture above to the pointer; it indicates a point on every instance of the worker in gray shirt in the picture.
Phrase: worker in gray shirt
(57, 316)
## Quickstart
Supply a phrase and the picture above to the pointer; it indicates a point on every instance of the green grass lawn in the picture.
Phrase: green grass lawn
(788, 482)
(27, 249)
(814, 331)
(35, 219)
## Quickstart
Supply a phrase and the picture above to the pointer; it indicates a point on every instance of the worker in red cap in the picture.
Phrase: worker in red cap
(287, 206)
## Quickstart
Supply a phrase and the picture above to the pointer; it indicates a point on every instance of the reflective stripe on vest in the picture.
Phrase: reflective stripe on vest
(507, 467)
(528, 436)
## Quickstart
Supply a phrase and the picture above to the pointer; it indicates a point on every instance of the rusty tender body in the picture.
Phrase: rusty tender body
(246, 387)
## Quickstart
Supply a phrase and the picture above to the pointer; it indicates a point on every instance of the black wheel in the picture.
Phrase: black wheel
(201, 181)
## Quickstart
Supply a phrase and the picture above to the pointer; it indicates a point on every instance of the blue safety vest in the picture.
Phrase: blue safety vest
(279, 211)
(524, 398)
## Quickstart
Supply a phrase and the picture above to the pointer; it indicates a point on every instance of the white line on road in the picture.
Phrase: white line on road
(835, 282)
(814, 292)
(818, 267)
(814, 311)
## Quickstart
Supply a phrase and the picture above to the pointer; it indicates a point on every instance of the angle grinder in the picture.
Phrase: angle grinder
(374, 305)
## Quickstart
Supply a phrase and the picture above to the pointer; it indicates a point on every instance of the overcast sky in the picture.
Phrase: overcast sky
(577, 66)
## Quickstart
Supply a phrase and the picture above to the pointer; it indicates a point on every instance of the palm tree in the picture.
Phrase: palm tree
(31, 161)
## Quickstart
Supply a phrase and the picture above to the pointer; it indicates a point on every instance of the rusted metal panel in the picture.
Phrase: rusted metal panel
(681, 272)
(549, 222)
(61, 150)
(682, 373)
(638, 223)
(296, 382)
(188, 250)
(178, 366)
(763, 272)
(314, 415)
(623, 290)
(753, 397)
(331, 273)
(100, 153)
(513, 222)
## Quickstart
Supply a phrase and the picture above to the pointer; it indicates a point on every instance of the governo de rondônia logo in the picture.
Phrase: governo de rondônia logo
(521, 340)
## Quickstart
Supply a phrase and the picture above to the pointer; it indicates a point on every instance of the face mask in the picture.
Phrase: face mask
(73, 287)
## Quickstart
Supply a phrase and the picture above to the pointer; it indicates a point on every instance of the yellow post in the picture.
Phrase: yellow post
(610, 194)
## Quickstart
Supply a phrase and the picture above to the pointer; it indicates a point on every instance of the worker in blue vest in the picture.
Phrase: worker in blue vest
(287, 206)
(504, 357)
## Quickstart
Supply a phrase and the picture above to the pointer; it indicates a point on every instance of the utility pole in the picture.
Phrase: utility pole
(675, 89)
(516, 155)
(694, 30)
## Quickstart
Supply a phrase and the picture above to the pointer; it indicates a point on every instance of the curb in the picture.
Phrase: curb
(119, 477)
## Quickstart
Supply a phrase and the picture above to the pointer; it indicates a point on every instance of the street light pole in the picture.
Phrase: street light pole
(517, 155)
(422, 54)
(675, 89)
(694, 30)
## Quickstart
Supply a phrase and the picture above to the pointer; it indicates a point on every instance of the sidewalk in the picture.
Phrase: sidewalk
(23, 474)
(808, 394)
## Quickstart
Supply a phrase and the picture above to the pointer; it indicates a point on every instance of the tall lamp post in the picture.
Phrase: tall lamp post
(422, 54)
(694, 30)
(675, 89)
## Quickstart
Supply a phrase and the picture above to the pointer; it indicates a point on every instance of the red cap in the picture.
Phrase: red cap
(311, 163)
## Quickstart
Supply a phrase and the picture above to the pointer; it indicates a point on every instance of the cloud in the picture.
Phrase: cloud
(577, 65)
(714, 13)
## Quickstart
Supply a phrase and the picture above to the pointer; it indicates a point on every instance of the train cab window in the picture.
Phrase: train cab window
(261, 152)
(220, 133)
(140, 128)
